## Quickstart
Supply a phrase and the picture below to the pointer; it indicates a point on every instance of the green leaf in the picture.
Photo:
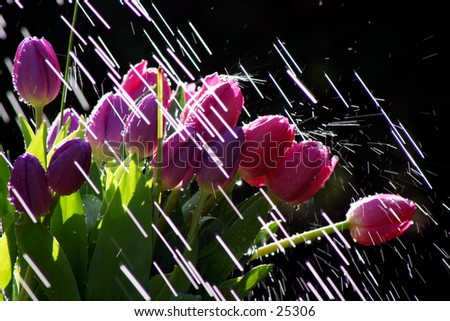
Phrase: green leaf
(241, 286)
(5, 205)
(264, 234)
(176, 107)
(8, 255)
(27, 131)
(50, 261)
(92, 206)
(124, 241)
(239, 238)
(68, 225)
(38, 146)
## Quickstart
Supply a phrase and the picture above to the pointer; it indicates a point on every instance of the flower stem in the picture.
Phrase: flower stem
(196, 215)
(66, 69)
(160, 131)
(39, 111)
(299, 238)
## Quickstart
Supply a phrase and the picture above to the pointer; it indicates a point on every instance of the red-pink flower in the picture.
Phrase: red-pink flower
(379, 218)
(139, 78)
(304, 169)
(215, 107)
(266, 140)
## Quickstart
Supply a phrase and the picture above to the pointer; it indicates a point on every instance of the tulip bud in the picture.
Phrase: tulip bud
(181, 158)
(134, 85)
(105, 125)
(69, 113)
(220, 160)
(141, 128)
(304, 169)
(64, 176)
(218, 102)
(34, 80)
(28, 180)
(266, 140)
(379, 218)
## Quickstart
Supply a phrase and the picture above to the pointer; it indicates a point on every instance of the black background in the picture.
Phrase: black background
(399, 50)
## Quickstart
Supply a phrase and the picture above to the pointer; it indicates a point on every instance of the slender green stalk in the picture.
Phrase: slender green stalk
(196, 215)
(170, 205)
(66, 69)
(160, 131)
(299, 238)
(39, 111)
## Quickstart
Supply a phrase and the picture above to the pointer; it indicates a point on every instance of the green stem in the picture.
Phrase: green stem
(160, 131)
(299, 238)
(66, 69)
(196, 215)
(31, 282)
(39, 111)
(170, 205)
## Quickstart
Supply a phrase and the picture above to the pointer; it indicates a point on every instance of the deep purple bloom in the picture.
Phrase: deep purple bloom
(64, 176)
(141, 128)
(304, 169)
(105, 125)
(34, 80)
(181, 158)
(216, 106)
(30, 183)
(266, 140)
(220, 160)
(379, 218)
(69, 114)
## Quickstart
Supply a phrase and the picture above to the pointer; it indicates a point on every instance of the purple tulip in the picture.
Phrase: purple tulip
(64, 176)
(379, 218)
(69, 113)
(181, 158)
(34, 80)
(141, 128)
(266, 141)
(134, 85)
(304, 169)
(28, 180)
(220, 160)
(105, 125)
(218, 103)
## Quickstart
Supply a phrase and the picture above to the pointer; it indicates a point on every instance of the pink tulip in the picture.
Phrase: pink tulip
(218, 103)
(141, 135)
(136, 82)
(379, 218)
(33, 77)
(105, 125)
(266, 140)
(304, 169)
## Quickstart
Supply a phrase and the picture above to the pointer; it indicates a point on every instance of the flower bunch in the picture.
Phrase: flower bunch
(136, 201)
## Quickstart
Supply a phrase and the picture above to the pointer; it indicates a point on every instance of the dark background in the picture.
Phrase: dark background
(398, 48)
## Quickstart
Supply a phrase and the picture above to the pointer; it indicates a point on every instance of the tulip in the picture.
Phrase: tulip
(379, 218)
(304, 169)
(266, 140)
(220, 160)
(181, 158)
(105, 125)
(69, 114)
(141, 129)
(28, 186)
(64, 176)
(133, 82)
(218, 103)
(34, 80)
